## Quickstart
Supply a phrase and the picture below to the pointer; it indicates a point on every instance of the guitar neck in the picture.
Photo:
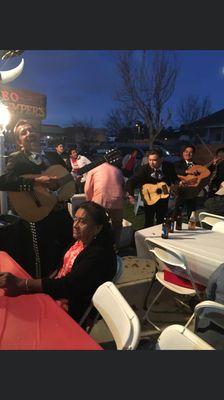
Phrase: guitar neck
(92, 165)
(67, 178)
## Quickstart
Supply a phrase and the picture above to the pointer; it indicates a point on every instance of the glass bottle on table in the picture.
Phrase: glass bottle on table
(192, 221)
(179, 220)
(165, 229)
(171, 224)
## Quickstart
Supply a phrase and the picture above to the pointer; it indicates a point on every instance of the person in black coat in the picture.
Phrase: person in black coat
(89, 262)
(181, 168)
(42, 243)
(157, 170)
(215, 203)
(217, 172)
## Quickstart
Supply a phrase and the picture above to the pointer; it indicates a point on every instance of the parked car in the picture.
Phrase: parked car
(127, 148)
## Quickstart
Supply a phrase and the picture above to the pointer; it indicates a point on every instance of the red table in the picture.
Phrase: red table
(36, 321)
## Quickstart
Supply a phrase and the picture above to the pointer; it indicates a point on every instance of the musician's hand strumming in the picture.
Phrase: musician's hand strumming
(49, 181)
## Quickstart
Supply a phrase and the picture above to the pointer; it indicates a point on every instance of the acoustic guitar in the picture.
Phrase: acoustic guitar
(198, 177)
(35, 205)
(154, 192)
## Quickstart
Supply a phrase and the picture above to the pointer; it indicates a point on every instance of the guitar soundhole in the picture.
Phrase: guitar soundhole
(159, 191)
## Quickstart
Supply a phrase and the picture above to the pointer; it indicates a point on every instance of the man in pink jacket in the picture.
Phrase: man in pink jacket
(105, 186)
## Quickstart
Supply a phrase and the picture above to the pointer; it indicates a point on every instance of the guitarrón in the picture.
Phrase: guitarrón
(35, 205)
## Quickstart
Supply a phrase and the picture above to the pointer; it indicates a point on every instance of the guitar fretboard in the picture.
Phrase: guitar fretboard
(92, 165)
(65, 179)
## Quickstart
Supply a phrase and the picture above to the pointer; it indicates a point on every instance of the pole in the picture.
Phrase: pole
(3, 195)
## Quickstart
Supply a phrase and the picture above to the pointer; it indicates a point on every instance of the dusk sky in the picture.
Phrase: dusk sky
(80, 84)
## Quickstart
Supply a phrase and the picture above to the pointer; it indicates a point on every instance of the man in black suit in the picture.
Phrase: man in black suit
(60, 151)
(42, 243)
(181, 168)
(157, 170)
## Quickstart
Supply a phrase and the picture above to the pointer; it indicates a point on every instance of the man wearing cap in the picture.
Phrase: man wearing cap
(43, 242)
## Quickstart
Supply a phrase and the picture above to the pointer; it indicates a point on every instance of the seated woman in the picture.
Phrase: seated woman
(90, 262)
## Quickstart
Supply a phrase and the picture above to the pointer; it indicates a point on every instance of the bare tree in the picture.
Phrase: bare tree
(191, 108)
(82, 132)
(85, 127)
(147, 83)
(119, 119)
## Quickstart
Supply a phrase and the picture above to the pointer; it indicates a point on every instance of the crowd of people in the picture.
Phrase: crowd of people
(68, 256)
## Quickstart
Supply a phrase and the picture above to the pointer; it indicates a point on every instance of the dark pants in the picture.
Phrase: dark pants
(159, 209)
(189, 204)
(79, 187)
(127, 173)
(54, 236)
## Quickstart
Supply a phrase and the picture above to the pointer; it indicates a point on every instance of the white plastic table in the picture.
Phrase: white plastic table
(203, 249)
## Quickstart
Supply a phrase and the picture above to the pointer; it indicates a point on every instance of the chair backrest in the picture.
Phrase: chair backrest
(218, 227)
(176, 262)
(177, 337)
(212, 311)
(209, 322)
(118, 316)
(170, 257)
(117, 275)
(138, 203)
(209, 219)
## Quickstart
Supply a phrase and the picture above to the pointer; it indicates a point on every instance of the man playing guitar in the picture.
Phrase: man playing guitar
(182, 167)
(217, 170)
(42, 242)
(156, 171)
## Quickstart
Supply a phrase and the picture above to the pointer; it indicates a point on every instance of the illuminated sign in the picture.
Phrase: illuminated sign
(24, 102)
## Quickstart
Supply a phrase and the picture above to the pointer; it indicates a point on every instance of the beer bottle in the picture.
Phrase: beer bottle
(171, 224)
(192, 221)
(179, 220)
(165, 229)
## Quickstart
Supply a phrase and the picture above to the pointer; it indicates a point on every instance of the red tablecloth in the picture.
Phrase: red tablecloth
(36, 321)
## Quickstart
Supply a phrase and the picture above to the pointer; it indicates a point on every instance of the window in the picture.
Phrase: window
(216, 135)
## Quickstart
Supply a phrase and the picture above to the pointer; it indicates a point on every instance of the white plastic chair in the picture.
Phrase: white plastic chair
(117, 276)
(118, 316)
(206, 313)
(138, 204)
(178, 337)
(209, 219)
(210, 310)
(218, 227)
(173, 260)
(76, 199)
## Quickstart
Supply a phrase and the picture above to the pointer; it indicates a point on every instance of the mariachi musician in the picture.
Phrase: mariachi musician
(155, 171)
(43, 242)
(182, 168)
(215, 202)
(217, 170)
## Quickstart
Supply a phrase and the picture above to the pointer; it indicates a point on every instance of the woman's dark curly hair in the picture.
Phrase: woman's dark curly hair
(99, 215)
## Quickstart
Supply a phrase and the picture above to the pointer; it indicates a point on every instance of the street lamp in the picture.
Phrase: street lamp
(4, 120)
(138, 126)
